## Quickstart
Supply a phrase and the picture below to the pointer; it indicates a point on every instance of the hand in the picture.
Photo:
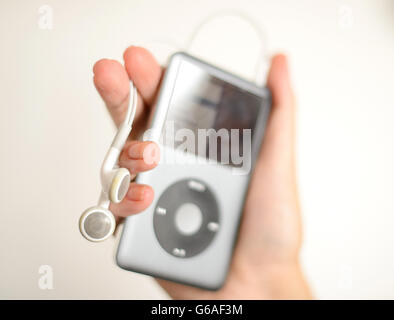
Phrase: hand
(265, 263)
(112, 81)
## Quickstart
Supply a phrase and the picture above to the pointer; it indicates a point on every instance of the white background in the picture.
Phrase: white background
(54, 131)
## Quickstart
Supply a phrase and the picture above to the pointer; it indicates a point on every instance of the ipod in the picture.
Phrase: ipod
(209, 125)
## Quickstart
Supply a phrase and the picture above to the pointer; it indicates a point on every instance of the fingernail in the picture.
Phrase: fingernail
(151, 154)
(137, 193)
(135, 151)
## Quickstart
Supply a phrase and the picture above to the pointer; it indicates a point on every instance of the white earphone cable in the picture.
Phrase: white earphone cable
(132, 106)
(259, 64)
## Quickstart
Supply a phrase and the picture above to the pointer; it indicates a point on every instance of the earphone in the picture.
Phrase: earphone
(97, 223)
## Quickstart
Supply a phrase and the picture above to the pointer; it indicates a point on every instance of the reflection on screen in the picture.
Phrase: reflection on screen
(201, 101)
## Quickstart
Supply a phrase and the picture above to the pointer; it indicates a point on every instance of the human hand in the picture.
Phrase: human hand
(112, 81)
(265, 263)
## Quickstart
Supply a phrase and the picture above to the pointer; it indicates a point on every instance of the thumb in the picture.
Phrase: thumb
(271, 224)
(277, 151)
(279, 82)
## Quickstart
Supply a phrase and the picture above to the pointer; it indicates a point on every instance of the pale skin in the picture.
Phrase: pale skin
(265, 264)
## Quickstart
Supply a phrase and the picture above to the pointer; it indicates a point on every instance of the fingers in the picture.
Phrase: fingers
(137, 199)
(139, 156)
(144, 71)
(113, 84)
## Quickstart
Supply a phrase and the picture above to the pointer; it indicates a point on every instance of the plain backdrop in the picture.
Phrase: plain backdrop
(54, 131)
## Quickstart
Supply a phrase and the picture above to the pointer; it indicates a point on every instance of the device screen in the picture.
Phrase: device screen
(202, 104)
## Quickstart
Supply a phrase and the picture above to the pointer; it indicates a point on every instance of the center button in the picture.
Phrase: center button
(188, 218)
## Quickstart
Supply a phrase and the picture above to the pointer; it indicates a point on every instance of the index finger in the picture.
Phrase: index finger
(144, 71)
(112, 82)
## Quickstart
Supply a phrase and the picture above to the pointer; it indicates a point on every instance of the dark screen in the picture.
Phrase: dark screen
(201, 101)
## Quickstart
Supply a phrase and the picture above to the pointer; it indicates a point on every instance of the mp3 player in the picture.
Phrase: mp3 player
(209, 125)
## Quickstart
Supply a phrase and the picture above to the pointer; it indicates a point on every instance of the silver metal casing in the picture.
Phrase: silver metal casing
(139, 249)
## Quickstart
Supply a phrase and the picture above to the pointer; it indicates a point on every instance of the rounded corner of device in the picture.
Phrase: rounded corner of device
(265, 92)
(214, 284)
(217, 285)
(121, 261)
(178, 55)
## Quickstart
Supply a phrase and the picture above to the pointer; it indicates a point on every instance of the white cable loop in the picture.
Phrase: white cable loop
(250, 21)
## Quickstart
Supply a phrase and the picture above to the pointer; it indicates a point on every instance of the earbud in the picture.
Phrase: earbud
(120, 185)
(98, 223)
